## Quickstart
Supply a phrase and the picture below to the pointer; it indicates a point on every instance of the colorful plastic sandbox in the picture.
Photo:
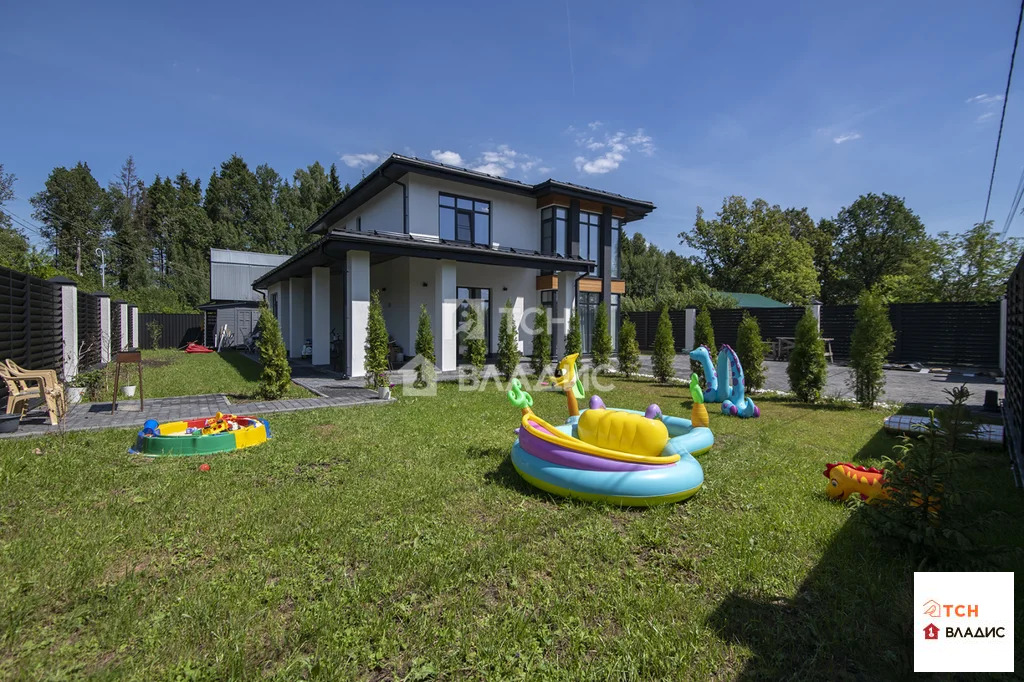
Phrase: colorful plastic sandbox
(203, 436)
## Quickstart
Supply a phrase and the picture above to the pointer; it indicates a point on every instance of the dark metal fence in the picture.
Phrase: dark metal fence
(177, 330)
(964, 334)
(30, 322)
(1013, 405)
(90, 343)
(647, 327)
(772, 321)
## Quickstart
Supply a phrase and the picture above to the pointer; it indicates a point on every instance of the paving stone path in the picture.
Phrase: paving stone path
(87, 416)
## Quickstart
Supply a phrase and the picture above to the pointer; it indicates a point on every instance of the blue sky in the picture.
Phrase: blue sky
(680, 103)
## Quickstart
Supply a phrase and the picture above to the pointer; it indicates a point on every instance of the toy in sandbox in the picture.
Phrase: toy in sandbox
(605, 454)
(725, 385)
(203, 436)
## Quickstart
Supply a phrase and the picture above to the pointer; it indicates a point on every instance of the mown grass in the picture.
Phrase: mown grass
(171, 373)
(398, 542)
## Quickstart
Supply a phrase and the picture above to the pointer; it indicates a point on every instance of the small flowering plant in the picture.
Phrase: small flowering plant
(382, 380)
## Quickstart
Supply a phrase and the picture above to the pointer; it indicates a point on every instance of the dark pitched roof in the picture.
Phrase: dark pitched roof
(396, 165)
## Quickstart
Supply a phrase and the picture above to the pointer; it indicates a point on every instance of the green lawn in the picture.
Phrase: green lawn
(398, 542)
(170, 373)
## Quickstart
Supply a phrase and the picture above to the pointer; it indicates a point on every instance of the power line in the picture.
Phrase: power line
(1016, 203)
(1002, 117)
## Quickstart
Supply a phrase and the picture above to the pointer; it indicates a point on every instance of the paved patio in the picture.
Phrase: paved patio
(91, 416)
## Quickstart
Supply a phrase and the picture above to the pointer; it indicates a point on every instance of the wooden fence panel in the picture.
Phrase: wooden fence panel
(89, 336)
(177, 330)
(30, 322)
(772, 321)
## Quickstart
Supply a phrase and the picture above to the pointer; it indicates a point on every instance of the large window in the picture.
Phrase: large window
(464, 220)
(613, 320)
(586, 308)
(553, 221)
(590, 238)
(480, 300)
(616, 245)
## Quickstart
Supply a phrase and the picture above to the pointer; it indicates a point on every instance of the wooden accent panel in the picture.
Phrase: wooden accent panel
(618, 286)
(590, 284)
(553, 200)
(585, 204)
(545, 282)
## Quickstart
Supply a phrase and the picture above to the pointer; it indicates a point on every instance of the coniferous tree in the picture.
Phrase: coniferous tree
(600, 339)
(14, 247)
(508, 346)
(376, 361)
(703, 335)
(476, 344)
(807, 368)
(276, 373)
(541, 356)
(573, 338)
(425, 372)
(751, 348)
(130, 250)
(629, 349)
(870, 345)
(664, 355)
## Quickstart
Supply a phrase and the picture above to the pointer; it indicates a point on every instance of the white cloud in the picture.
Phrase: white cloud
(448, 157)
(501, 161)
(613, 148)
(360, 160)
(984, 98)
(846, 137)
(984, 117)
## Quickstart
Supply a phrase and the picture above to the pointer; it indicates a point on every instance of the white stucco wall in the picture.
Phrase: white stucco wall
(391, 279)
(517, 284)
(515, 220)
(384, 213)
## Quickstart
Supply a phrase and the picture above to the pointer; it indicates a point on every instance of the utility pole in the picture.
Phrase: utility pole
(78, 257)
(103, 269)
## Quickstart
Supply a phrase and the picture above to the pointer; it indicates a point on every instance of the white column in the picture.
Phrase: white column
(135, 326)
(1002, 335)
(565, 305)
(445, 305)
(357, 310)
(122, 310)
(284, 313)
(104, 329)
(296, 316)
(691, 328)
(321, 307)
(69, 327)
(816, 310)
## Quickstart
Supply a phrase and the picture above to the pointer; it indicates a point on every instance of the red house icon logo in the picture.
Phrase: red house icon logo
(931, 631)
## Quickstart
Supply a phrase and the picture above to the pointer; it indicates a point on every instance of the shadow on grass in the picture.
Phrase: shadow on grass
(878, 446)
(845, 622)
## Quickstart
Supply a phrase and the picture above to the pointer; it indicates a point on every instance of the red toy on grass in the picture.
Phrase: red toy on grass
(204, 467)
(197, 348)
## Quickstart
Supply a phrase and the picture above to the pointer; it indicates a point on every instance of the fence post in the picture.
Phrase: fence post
(1002, 335)
(816, 309)
(122, 314)
(69, 325)
(104, 327)
(135, 326)
(691, 327)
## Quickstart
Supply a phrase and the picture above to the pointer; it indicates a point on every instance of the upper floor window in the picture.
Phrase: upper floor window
(553, 222)
(590, 238)
(616, 242)
(464, 220)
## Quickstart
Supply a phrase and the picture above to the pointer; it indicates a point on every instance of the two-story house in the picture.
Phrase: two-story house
(424, 233)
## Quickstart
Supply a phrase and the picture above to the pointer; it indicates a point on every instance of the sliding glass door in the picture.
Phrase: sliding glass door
(480, 301)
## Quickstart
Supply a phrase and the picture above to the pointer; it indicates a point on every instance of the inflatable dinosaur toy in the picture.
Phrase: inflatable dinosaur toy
(846, 479)
(725, 385)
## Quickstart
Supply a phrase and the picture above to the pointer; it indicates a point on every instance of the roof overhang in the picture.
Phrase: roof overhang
(396, 166)
(331, 249)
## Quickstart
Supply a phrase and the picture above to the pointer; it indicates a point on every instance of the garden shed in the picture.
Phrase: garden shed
(233, 302)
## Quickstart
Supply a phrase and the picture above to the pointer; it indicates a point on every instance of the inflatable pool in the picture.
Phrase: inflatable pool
(607, 454)
(555, 459)
(203, 436)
